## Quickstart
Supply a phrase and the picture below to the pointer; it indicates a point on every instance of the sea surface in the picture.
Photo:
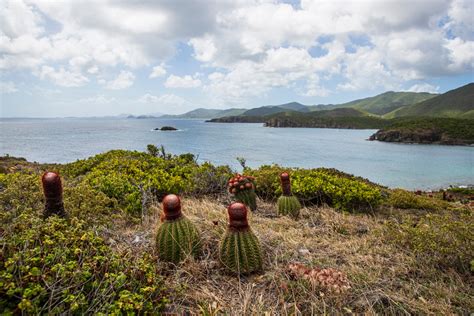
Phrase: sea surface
(407, 166)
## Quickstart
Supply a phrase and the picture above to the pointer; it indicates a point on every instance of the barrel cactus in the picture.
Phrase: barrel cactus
(177, 237)
(288, 204)
(239, 248)
(53, 194)
(243, 188)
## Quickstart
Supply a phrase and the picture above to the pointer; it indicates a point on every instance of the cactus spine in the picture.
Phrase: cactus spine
(288, 204)
(177, 237)
(240, 249)
(243, 188)
(53, 193)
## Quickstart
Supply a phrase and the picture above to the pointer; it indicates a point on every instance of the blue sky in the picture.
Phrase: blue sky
(140, 57)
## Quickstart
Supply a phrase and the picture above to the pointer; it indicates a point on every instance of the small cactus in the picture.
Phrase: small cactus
(288, 204)
(239, 248)
(177, 237)
(53, 193)
(243, 188)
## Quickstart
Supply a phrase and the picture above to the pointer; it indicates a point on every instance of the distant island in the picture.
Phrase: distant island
(166, 128)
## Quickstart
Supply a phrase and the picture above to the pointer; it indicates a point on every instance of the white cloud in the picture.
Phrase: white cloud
(204, 48)
(99, 99)
(182, 82)
(7, 87)
(93, 70)
(158, 71)
(249, 47)
(124, 80)
(423, 87)
(163, 100)
(62, 77)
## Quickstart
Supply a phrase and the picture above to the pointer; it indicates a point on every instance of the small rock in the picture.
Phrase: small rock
(303, 251)
(136, 240)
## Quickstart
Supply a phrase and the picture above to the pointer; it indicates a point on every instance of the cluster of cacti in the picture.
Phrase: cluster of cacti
(177, 237)
(288, 204)
(240, 249)
(53, 194)
(243, 188)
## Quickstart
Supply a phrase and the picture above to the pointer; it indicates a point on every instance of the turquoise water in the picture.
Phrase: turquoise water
(394, 165)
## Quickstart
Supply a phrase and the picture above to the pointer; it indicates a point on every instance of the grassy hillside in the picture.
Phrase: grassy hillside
(337, 118)
(273, 109)
(202, 113)
(448, 131)
(388, 101)
(455, 103)
(401, 253)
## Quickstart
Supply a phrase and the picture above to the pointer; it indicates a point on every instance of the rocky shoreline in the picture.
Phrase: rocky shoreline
(428, 136)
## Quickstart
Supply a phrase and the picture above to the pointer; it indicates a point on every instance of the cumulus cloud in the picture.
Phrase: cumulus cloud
(99, 99)
(186, 81)
(165, 101)
(250, 47)
(423, 87)
(124, 80)
(62, 77)
(158, 71)
(204, 48)
(7, 87)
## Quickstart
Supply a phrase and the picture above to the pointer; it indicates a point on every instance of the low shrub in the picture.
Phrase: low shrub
(56, 267)
(407, 200)
(339, 190)
(446, 239)
(208, 179)
(134, 180)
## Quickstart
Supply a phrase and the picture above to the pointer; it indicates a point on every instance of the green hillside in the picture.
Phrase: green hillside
(337, 118)
(272, 109)
(387, 102)
(202, 113)
(454, 103)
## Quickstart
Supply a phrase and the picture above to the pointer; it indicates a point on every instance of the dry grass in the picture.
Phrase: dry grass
(384, 279)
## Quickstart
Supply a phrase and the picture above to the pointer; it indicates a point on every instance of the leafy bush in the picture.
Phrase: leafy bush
(339, 190)
(446, 238)
(55, 267)
(406, 200)
(208, 179)
(465, 191)
(133, 179)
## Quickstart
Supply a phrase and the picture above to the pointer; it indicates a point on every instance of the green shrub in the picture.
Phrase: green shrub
(133, 179)
(208, 179)
(56, 267)
(465, 191)
(19, 192)
(337, 189)
(407, 200)
(447, 239)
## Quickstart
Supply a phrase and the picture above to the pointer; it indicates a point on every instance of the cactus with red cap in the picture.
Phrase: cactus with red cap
(240, 249)
(243, 188)
(288, 204)
(53, 193)
(177, 237)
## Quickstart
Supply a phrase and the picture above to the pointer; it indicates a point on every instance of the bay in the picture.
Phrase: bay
(407, 166)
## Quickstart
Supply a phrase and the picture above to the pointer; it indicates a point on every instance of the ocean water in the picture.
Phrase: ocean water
(395, 165)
